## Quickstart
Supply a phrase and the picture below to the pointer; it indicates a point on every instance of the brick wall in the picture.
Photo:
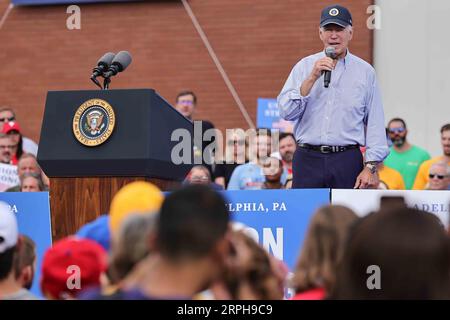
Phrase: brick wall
(257, 41)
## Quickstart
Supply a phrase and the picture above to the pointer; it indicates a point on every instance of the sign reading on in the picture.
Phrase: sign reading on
(277, 219)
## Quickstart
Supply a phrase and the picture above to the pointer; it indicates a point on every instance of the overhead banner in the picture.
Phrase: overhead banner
(68, 2)
(365, 201)
(277, 219)
(32, 210)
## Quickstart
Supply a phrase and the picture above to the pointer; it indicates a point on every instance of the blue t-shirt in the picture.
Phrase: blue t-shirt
(250, 176)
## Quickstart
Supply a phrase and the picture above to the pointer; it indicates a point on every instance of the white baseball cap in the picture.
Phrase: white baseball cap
(9, 233)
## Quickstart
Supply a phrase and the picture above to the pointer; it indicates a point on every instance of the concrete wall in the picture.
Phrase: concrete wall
(412, 59)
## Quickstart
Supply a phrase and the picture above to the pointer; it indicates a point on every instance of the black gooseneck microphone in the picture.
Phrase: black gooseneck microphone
(102, 66)
(120, 62)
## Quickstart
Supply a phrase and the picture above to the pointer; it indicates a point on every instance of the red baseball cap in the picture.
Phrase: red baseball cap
(68, 259)
(11, 126)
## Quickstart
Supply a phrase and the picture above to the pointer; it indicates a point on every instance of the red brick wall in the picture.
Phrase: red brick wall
(257, 41)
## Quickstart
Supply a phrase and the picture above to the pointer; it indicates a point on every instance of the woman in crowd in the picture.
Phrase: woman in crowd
(235, 154)
(201, 175)
(323, 248)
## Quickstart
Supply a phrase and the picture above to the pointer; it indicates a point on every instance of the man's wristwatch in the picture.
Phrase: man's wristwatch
(372, 166)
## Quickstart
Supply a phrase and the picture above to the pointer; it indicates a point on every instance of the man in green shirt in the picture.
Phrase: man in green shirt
(404, 157)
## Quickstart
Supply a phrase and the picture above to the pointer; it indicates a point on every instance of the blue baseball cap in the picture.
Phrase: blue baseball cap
(336, 14)
(98, 231)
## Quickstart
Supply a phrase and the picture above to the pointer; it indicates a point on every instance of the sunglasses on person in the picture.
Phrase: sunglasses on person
(186, 102)
(238, 142)
(397, 130)
(11, 147)
(432, 176)
(7, 119)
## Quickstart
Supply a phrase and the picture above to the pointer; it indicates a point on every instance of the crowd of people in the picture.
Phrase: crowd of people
(252, 163)
(406, 167)
(249, 162)
(18, 157)
(185, 246)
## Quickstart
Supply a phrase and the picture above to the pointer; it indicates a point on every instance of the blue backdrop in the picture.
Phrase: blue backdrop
(32, 210)
(277, 218)
(268, 116)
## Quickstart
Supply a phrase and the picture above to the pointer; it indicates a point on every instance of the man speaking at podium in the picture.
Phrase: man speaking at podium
(334, 99)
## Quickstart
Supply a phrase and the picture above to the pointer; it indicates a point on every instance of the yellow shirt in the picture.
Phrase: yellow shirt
(392, 178)
(422, 175)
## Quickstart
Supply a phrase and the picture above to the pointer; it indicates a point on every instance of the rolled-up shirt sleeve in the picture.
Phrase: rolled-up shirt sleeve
(376, 143)
(290, 102)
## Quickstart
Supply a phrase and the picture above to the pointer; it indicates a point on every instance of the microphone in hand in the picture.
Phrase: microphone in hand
(331, 53)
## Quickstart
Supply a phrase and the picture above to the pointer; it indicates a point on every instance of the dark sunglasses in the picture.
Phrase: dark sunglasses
(7, 119)
(239, 142)
(186, 102)
(396, 130)
(432, 176)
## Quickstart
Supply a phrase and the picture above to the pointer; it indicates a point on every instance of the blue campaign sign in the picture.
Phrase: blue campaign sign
(46, 2)
(278, 219)
(268, 116)
(32, 210)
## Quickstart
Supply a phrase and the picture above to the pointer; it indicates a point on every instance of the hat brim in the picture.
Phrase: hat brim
(339, 22)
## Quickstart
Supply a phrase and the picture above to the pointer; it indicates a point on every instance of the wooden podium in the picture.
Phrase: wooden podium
(136, 145)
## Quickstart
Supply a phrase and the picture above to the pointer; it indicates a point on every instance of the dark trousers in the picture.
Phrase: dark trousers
(312, 169)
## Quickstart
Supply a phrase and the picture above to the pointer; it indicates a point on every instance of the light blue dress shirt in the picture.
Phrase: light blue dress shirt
(348, 112)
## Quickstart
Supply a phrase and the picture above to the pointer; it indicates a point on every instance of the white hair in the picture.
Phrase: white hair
(441, 164)
(349, 28)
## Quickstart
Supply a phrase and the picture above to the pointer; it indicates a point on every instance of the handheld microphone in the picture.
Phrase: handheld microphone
(120, 62)
(331, 53)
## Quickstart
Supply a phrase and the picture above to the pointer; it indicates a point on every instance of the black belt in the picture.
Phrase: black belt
(327, 149)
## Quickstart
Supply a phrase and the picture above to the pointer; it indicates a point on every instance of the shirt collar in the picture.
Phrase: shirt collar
(346, 60)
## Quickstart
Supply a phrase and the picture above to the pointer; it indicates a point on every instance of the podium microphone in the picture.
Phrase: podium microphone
(102, 65)
(121, 61)
(331, 53)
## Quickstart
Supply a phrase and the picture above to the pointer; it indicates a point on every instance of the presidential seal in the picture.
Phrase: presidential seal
(93, 122)
(333, 12)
